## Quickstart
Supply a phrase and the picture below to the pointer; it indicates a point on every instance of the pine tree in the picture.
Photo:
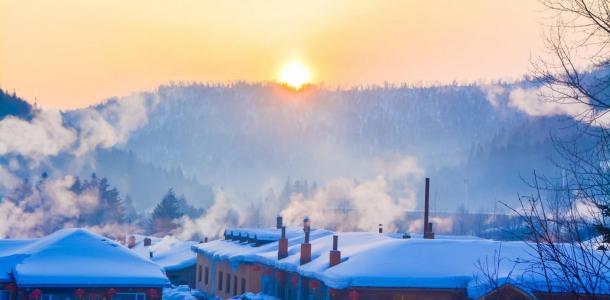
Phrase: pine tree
(111, 209)
(168, 210)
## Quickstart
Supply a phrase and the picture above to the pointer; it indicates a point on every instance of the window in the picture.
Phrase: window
(243, 285)
(228, 283)
(220, 281)
(234, 285)
(129, 296)
(206, 276)
(199, 273)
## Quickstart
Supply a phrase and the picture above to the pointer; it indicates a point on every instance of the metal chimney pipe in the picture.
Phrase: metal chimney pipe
(306, 236)
(426, 206)
(279, 222)
(283, 232)
(335, 242)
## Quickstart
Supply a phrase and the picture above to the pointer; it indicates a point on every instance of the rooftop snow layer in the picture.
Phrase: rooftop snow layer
(9, 257)
(382, 260)
(77, 257)
(263, 234)
(174, 254)
(169, 252)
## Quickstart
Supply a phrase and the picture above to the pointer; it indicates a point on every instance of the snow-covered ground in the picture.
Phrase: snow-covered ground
(182, 292)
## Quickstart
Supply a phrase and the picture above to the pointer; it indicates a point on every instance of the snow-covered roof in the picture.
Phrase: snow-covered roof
(262, 234)
(169, 252)
(9, 257)
(387, 260)
(77, 257)
(237, 251)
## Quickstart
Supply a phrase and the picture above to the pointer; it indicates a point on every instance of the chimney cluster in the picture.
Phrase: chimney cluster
(334, 256)
(428, 233)
(147, 241)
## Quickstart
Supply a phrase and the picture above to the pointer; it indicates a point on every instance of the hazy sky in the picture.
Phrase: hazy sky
(72, 53)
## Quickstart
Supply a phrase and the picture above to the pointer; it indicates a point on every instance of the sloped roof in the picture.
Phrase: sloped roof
(77, 257)
(385, 260)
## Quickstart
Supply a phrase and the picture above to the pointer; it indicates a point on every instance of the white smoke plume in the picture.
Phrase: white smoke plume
(222, 214)
(45, 135)
(533, 101)
(493, 93)
(441, 224)
(51, 203)
(348, 205)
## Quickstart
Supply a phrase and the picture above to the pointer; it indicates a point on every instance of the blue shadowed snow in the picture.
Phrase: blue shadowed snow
(77, 257)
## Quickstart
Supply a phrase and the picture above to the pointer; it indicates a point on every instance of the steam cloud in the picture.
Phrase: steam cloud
(52, 204)
(348, 205)
(533, 101)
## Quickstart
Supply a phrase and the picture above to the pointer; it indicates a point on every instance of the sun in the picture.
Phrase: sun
(295, 74)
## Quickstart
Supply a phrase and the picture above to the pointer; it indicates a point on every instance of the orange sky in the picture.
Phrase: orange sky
(72, 53)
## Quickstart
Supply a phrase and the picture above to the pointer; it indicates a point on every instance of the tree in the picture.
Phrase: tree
(566, 215)
(165, 213)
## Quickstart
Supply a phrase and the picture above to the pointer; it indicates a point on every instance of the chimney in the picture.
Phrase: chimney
(334, 257)
(278, 222)
(150, 254)
(205, 239)
(306, 246)
(428, 234)
(147, 241)
(131, 242)
(380, 228)
(282, 248)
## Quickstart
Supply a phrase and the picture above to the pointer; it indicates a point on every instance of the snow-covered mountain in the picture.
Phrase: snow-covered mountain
(249, 137)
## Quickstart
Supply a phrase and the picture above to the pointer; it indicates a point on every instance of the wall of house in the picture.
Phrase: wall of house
(182, 276)
(89, 293)
(242, 277)
(401, 294)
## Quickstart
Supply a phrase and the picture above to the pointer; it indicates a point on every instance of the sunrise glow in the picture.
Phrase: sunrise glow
(294, 74)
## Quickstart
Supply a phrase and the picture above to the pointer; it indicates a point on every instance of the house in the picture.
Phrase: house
(174, 255)
(316, 264)
(319, 264)
(76, 264)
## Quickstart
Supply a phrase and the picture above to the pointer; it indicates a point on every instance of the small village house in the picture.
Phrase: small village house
(76, 264)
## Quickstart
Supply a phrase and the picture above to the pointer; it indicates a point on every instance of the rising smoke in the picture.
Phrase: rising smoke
(51, 204)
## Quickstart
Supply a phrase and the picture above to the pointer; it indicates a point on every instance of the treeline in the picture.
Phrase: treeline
(94, 203)
(13, 105)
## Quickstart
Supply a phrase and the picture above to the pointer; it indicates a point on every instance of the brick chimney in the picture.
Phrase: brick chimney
(282, 248)
(147, 241)
(131, 242)
(428, 233)
(306, 246)
(334, 257)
